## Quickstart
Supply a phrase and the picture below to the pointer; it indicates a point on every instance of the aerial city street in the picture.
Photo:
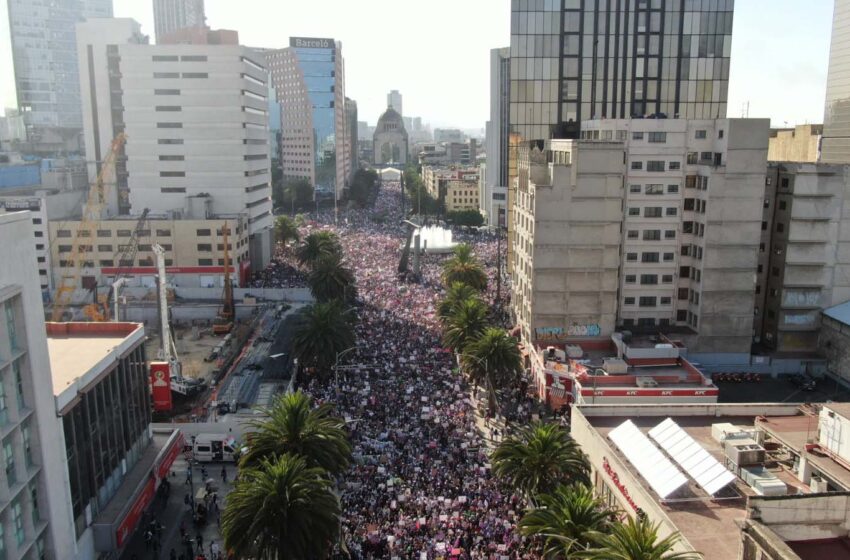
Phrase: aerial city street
(386, 280)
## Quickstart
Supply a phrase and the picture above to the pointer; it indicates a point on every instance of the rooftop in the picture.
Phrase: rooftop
(840, 312)
(81, 352)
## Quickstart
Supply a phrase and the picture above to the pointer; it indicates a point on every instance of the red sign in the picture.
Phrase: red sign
(129, 524)
(615, 478)
(168, 458)
(161, 385)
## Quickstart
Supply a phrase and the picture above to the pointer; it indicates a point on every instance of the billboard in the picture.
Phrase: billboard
(311, 43)
(161, 386)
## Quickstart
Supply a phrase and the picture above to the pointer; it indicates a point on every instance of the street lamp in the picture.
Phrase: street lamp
(483, 362)
(336, 365)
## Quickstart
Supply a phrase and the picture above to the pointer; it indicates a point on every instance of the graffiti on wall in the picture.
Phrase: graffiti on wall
(551, 334)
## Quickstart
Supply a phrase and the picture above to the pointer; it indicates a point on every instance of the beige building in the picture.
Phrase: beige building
(194, 251)
(568, 213)
(462, 194)
(799, 144)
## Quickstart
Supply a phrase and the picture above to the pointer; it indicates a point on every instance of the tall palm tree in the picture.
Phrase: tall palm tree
(492, 360)
(285, 230)
(455, 294)
(281, 509)
(467, 323)
(322, 330)
(330, 280)
(565, 519)
(464, 267)
(317, 245)
(636, 539)
(292, 426)
(538, 458)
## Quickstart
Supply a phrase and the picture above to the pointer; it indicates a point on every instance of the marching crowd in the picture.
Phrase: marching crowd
(421, 486)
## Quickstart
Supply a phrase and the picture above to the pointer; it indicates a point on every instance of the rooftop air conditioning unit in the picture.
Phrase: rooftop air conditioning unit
(646, 382)
(744, 451)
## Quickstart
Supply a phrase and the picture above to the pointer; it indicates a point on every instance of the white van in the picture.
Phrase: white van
(209, 448)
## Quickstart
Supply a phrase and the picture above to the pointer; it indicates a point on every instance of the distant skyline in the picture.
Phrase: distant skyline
(437, 54)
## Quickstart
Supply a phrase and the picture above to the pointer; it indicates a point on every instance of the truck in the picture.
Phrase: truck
(208, 448)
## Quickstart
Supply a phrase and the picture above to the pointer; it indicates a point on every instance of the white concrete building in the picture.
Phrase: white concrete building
(35, 508)
(196, 121)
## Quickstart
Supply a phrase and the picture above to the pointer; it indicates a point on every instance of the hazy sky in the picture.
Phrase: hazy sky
(437, 52)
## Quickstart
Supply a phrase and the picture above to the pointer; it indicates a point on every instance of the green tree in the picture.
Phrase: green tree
(492, 360)
(464, 267)
(285, 229)
(471, 218)
(281, 509)
(364, 187)
(636, 539)
(330, 280)
(317, 245)
(467, 323)
(538, 458)
(321, 330)
(565, 519)
(456, 294)
(292, 193)
(292, 425)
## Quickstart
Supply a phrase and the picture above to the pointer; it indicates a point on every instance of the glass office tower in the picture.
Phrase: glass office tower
(574, 60)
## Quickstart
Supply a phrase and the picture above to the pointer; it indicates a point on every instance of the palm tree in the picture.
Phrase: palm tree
(317, 245)
(565, 519)
(538, 458)
(285, 229)
(456, 293)
(292, 426)
(330, 280)
(466, 324)
(464, 267)
(281, 509)
(322, 330)
(492, 360)
(636, 539)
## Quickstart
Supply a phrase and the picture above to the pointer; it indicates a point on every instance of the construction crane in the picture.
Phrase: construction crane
(223, 324)
(99, 310)
(87, 232)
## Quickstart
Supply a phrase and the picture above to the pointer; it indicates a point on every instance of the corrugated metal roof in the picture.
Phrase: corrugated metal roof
(840, 312)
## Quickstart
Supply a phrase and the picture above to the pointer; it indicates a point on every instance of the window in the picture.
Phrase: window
(195, 75)
(145, 248)
(166, 92)
(637, 135)
(674, 165)
(169, 125)
(629, 301)
(631, 257)
(18, 522)
(172, 190)
(637, 165)
(668, 257)
(630, 278)
(780, 227)
(166, 75)
(172, 158)
(774, 271)
(705, 156)
(106, 262)
(655, 165)
(169, 141)
(700, 135)
(651, 234)
(692, 158)
(9, 461)
(682, 315)
(205, 262)
(166, 246)
(667, 279)
(648, 279)
(63, 233)
(11, 328)
(202, 232)
(634, 188)
(652, 212)
(634, 211)
(4, 407)
(193, 58)
(655, 189)
(165, 58)
(647, 301)
(684, 272)
(168, 108)
(649, 257)
(66, 248)
(670, 234)
(628, 322)
(657, 137)
(172, 173)
(204, 246)
(34, 501)
(782, 205)
(720, 134)
(632, 234)
(163, 233)
(764, 226)
(255, 157)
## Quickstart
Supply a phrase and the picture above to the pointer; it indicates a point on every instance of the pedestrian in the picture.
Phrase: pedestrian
(148, 539)
(199, 540)
(188, 476)
(223, 475)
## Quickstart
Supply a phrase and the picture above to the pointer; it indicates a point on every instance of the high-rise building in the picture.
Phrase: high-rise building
(394, 101)
(309, 79)
(498, 127)
(351, 137)
(44, 54)
(196, 119)
(171, 15)
(835, 147)
(583, 59)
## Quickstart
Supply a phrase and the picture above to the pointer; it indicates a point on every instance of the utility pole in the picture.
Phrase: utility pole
(402, 195)
(499, 267)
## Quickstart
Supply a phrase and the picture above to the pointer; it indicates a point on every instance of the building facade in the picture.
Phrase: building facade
(196, 119)
(351, 137)
(799, 144)
(390, 140)
(34, 509)
(462, 194)
(836, 114)
(173, 15)
(589, 59)
(498, 127)
(309, 77)
(44, 54)
(394, 101)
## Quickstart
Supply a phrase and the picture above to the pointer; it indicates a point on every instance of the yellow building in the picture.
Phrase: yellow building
(461, 195)
(800, 144)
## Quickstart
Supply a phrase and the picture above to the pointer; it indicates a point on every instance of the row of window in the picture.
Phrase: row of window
(66, 233)
(653, 189)
(656, 166)
(648, 301)
(650, 257)
(649, 279)
(654, 211)
(172, 75)
(651, 234)
(652, 137)
(183, 58)
(682, 316)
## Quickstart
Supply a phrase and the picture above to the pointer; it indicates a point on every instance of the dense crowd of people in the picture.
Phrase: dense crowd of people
(420, 487)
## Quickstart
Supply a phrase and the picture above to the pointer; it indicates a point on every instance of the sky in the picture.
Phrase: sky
(437, 52)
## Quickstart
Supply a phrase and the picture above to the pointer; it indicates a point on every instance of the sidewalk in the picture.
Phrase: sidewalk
(174, 513)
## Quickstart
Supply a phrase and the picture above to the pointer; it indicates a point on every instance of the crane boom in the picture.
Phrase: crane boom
(167, 349)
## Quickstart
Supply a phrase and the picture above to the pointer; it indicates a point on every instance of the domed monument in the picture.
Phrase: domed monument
(390, 139)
